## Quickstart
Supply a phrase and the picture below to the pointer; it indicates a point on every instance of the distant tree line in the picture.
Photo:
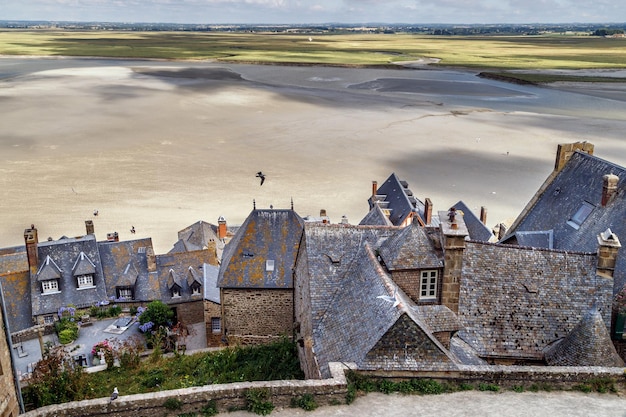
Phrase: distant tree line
(607, 32)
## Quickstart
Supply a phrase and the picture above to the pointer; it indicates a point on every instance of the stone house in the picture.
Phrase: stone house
(393, 204)
(204, 236)
(256, 277)
(582, 198)
(427, 299)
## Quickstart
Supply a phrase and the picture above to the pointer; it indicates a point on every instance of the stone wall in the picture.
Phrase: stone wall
(190, 312)
(555, 377)
(212, 310)
(9, 405)
(226, 396)
(253, 316)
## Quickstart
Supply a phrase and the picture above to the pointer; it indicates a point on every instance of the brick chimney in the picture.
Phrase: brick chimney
(374, 188)
(89, 227)
(428, 211)
(483, 215)
(31, 240)
(565, 150)
(609, 188)
(453, 233)
(221, 228)
(608, 248)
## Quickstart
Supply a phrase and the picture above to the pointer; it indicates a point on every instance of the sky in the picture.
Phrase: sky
(318, 11)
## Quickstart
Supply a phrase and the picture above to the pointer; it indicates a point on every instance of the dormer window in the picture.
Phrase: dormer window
(195, 290)
(428, 284)
(581, 215)
(125, 293)
(175, 292)
(85, 281)
(50, 286)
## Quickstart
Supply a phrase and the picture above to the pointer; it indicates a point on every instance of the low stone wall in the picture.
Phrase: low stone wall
(227, 397)
(556, 377)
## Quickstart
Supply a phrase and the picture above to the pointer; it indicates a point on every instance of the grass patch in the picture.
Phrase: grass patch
(305, 402)
(258, 401)
(358, 49)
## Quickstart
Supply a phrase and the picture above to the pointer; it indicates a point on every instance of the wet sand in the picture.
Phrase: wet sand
(159, 145)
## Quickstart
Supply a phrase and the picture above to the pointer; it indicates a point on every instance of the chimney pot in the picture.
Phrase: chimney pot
(374, 188)
(89, 227)
(483, 214)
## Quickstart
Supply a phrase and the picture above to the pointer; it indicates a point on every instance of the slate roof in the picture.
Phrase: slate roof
(175, 268)
(477, 230)
(579, 181)
(412, 248)
(532, 239)
(15, 278)
(588, 344)
(376, 217)
(516, 301)
(56, 261)
(126, 264)
(266, 235)
(349, 319)
(211, 290)
(395, 196)
(199, 236)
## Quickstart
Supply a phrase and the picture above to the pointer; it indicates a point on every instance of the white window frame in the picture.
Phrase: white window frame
(175, 292)
(125, 293)
(581, 215)
(216, 325)
(50, 286)
(48, 319)
(195, 290)
(85, 281)
(428, 284)
(269, 265)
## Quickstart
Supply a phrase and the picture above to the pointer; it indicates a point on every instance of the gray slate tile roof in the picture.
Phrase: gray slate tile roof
(15, 278)
(580, 181)
(588, 344)
(394, 195)
(376, 217)
(57, 259)
(533, 239)
(414, 247)
(266, 235)
(515, 301)
(173, 270)
(211, 290)
(477, 229)
(351, 322)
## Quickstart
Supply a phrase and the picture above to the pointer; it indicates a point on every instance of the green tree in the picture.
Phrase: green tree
(159, 313)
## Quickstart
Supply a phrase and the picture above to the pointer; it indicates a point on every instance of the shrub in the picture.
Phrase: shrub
(114, 311)
(210, 409)
(305, 401)
(154, 378)
(67, 330)
(427, 386)
(488, 387)
(67, 336)
(159, 313)
(173, 404)
(518, 388)
(387, 387)
(257, 401)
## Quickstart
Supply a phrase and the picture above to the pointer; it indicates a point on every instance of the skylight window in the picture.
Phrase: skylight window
(581, 215)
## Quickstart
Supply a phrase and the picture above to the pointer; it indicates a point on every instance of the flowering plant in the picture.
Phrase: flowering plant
(146, 327)
(106, 349)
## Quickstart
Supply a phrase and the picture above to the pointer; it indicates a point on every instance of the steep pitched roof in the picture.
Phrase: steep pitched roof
(173, 279)
(174, 269)
(515, 301)
(59, 259)
(211, 290)
(588, 344)
(14, 275)
(263, 251)
(533, 239)
(395, 197)
(412, 248)
(578, 186)
(83, 265)
(477, 229)
(193, 276)
(376, 217)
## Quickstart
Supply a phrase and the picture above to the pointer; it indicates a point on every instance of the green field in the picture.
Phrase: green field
(486, 52)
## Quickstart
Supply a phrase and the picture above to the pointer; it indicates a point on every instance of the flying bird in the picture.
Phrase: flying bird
(262, 176)
(95, 212)
(115, 394)
(393, 299)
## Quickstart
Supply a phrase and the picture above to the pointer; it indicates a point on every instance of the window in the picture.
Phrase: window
(581, 215)
(195, 290)
(428, 282)
(175, 292)
(216, 325)
(125, 293)
(48, 319)
(50, 286)
(269, 265)
(85, 281)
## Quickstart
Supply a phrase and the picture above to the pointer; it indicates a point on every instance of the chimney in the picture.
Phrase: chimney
(483, 215)
(89, 227)
(31, 240)
(151, 259)
(374, 188)
(221, 228)
(609, 188)
(565, 151)
(608, 247)
(113, 237)
(454, 232)
(428, 211)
